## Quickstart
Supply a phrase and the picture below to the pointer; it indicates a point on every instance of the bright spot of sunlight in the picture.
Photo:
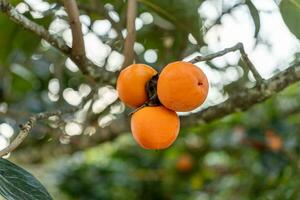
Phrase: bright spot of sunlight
(101, 27)
(108, 94)
(90, 130)
(6, 130)
(117, 108)
(209, 11)
(3, 142)
(114, 61)
(84, 29)
(64, 139)
(216, 158)
(106, 120)
(38, 5)
(53, 97)
(232, 74)
(98, 106)
(114, 15)
(22, 8)
(72, 97)
(73, 128)
(150, 56)
(138, 48)
(85, 19)
(84, 90)
(53, 86)
(112, 34)
(21, 71)
(71, 65)
(192, 39)
(67, 36)
(95, 49)
(146, 17)
(138, 24)
(3, 107)
(61, 12)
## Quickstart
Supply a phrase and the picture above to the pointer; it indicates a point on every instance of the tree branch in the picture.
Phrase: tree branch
(20, 19)
(25, 129)
(57, 42)
(246, 98)
(131, 33)
(236, 47)
(78, 48)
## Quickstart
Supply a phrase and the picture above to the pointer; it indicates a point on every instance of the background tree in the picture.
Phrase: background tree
(59, 63)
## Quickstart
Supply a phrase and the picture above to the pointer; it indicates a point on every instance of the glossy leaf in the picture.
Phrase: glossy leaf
(255, 16)
(290, 11)
(18, 184)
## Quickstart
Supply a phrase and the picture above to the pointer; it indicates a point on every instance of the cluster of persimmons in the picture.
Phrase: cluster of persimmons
(181, 86)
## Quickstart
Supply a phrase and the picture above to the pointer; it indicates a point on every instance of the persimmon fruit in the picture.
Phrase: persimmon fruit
(155, 127)
(182, 86)
(131, 84)
(185, 163)
(273, 140)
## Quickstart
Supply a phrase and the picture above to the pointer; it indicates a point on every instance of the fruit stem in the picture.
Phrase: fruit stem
(151, 89)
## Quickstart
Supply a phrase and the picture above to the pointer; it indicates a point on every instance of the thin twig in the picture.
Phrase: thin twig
(26, 128)
(238, 46)
(78, 48)
(245, 98)
(131, 32)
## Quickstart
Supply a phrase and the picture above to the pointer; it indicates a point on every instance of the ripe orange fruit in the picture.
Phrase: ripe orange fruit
(274, 141)
(155, 127)
(184, 163)
(131, 84)
(182, 86)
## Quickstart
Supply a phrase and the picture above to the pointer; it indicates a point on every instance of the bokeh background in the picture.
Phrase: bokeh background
(90, 154)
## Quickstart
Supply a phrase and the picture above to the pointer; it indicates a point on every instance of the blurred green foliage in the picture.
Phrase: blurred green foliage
(254, 155)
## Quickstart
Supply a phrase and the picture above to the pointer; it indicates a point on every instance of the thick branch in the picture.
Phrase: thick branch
(240, 101)
(236, 47)
(57, 42)
(78, 48)
(131, 33)
(244, 99)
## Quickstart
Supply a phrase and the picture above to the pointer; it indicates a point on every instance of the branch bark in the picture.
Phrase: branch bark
(131, 33)
(238, 46)
(240, 101)
(78, 48)
(246, 98)
(25, 129)
(57, 42)
(40, 31)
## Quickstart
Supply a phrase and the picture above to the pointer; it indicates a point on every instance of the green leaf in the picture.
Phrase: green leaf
(255, 16)
(18, 184)
(290, 11)
(181, 13)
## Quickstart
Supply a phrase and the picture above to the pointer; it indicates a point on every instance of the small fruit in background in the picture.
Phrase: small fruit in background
(185, 163)
(182, 86)
(155, 127)
(273, 140)
(131, 84)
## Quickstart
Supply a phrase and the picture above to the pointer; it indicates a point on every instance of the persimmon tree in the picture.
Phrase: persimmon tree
(26, 36)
